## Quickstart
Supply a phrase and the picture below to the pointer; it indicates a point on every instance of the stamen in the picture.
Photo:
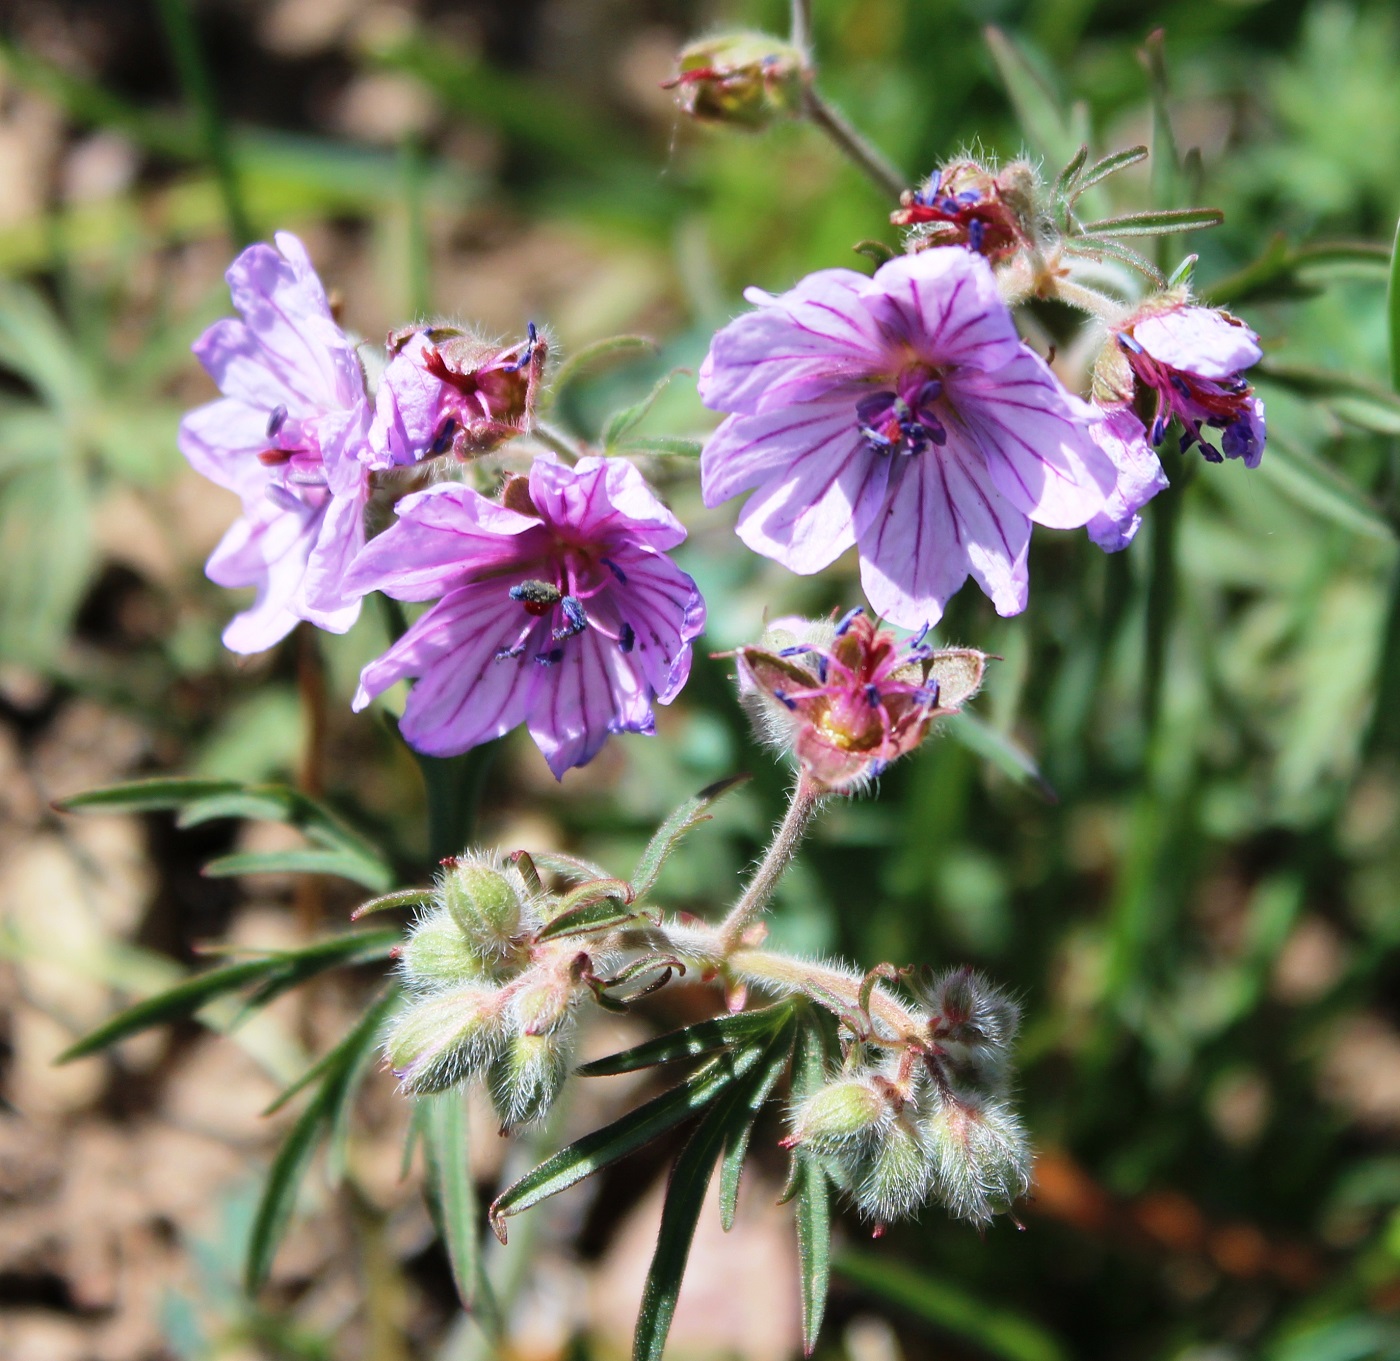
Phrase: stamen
(553, 657)
(575, 621)
(627, 639)
(615, 570)
(538, 597)
(442, 441)
(782, 698)
(976, 234)
(276, 420)
(526, 355)
(1129, 344)
(509, 653)
(848, 619)
(796, 651)
(872, 696)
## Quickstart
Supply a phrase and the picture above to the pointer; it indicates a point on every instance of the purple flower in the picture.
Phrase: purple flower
(1140, 477)
(288, 436)
(558, 609)
(444, 389)
(904, 415)
(1191, 358)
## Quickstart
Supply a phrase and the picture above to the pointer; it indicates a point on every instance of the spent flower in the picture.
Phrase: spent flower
(902, 414)
(558, 609)
(745, 80)
(289, 437)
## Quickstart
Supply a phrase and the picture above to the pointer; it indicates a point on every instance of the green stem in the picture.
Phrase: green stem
(454, 786)
(1161, 599)
(194, 78)
(803, 975)
(801, 32)
(870, 162)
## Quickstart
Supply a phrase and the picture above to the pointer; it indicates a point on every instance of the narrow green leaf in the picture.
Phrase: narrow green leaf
(1070, 173)
(371, 874)
(1159, 223)
(1109, 165)
(1283, 271)
(1166, 159)
(1393, 310)
(676, 445)
(1099, 247)
(362, 1036)
(145, 796)
(620, 422)
(284, 1179)
(727, 1116)
(877, 252)
(995, 1330)
(172, 1005)
(600, 351)
(584, 1157)
(403, 897)
(811, 1191)
(758, 1088)
(1321, 489)
(601, 915)
(1008, 756)
(690, 814)
(1038, 111)
(447, 1148)
(571, 867)
(337, 952)
(721, 1032)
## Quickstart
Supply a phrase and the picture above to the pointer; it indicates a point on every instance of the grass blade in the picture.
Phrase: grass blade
(584, 1157)
(689, 815)
(453, 1195)
(1393, 310)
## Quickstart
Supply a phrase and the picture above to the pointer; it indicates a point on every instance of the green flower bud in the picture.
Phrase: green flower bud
(897, 1176)
(437, 954)
(526, 1078)
(981, 1157)
(841, 1119)
(742, 79)
(544, 1005)
(487, 903)
(444, 1038)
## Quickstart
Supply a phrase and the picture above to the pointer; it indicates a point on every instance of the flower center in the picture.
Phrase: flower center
(903, 419)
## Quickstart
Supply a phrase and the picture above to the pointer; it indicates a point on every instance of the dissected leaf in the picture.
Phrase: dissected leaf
(810, 1191)
(690, 814)
(403, 897)
(1109, 165)
(366, 1030)
(571, 867)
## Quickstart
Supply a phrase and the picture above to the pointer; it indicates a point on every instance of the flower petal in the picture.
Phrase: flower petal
(1199, 340)
(944, 304)
(663, 608)
(1123, 437)
(222, 440)
(268, 550)
(1035, 438)
(603, 500)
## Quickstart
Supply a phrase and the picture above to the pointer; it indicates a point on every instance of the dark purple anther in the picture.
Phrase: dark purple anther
(276, 419)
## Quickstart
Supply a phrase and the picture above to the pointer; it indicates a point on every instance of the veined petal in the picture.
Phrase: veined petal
(1199, 340)
(746, 450)
(326, 592)
(804, 515)
(663, 608)
(408, 408)
(1140, 477)
(943, 304)
(464, 695)
(222, 440)
(590, 692)
(267, 550)
(603, 499)
(444, 537)
(1035, 438)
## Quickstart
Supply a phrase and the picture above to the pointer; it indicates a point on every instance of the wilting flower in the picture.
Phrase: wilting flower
(849, 700)
(558, 609)
(444, 389)
(742, 79)
(289, 437)
(901, 413)
(1122, 436)
(1191, 359)
(965, 204)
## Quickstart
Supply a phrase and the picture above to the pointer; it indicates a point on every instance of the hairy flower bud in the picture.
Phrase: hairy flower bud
(843, 1118)
(526, 1078)
(487, 902)
(437, 954)
(972, 1024)
(742, 79)
(849, 699)
(441, 1039)
(896, 1176)
(980, 1156)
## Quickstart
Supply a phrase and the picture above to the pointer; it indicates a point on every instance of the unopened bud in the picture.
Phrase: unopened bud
(841, 1118)
(542, 1006)
(444, 1038)
(527, 1077)
(487, 903)
(980, 1155)
(741, 79)
(897, 1175)
(972, 1023)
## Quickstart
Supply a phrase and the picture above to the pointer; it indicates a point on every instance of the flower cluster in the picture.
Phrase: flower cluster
(926, 1118)
(846, 698)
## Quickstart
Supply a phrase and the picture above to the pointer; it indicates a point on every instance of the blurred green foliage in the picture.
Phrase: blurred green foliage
(1215, 710)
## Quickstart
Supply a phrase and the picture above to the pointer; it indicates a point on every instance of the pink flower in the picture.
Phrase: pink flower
(288, 436)
(849, 700)
(904, 415)
(1140, 477)
(444, 389)
(558, 609)
(1192, 359)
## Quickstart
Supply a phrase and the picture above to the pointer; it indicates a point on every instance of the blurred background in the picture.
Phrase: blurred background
(1201, 922)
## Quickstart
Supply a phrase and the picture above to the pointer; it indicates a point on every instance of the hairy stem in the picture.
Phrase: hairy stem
(801, 32)
(805, 799)
(852, 145)
(812, 979)
(554, 438)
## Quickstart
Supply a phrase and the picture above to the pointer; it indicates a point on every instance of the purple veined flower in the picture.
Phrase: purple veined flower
(1191, 359)
(1123, 437)
(558, 609)
(903, 414)
(288, 436)
(447, 390)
